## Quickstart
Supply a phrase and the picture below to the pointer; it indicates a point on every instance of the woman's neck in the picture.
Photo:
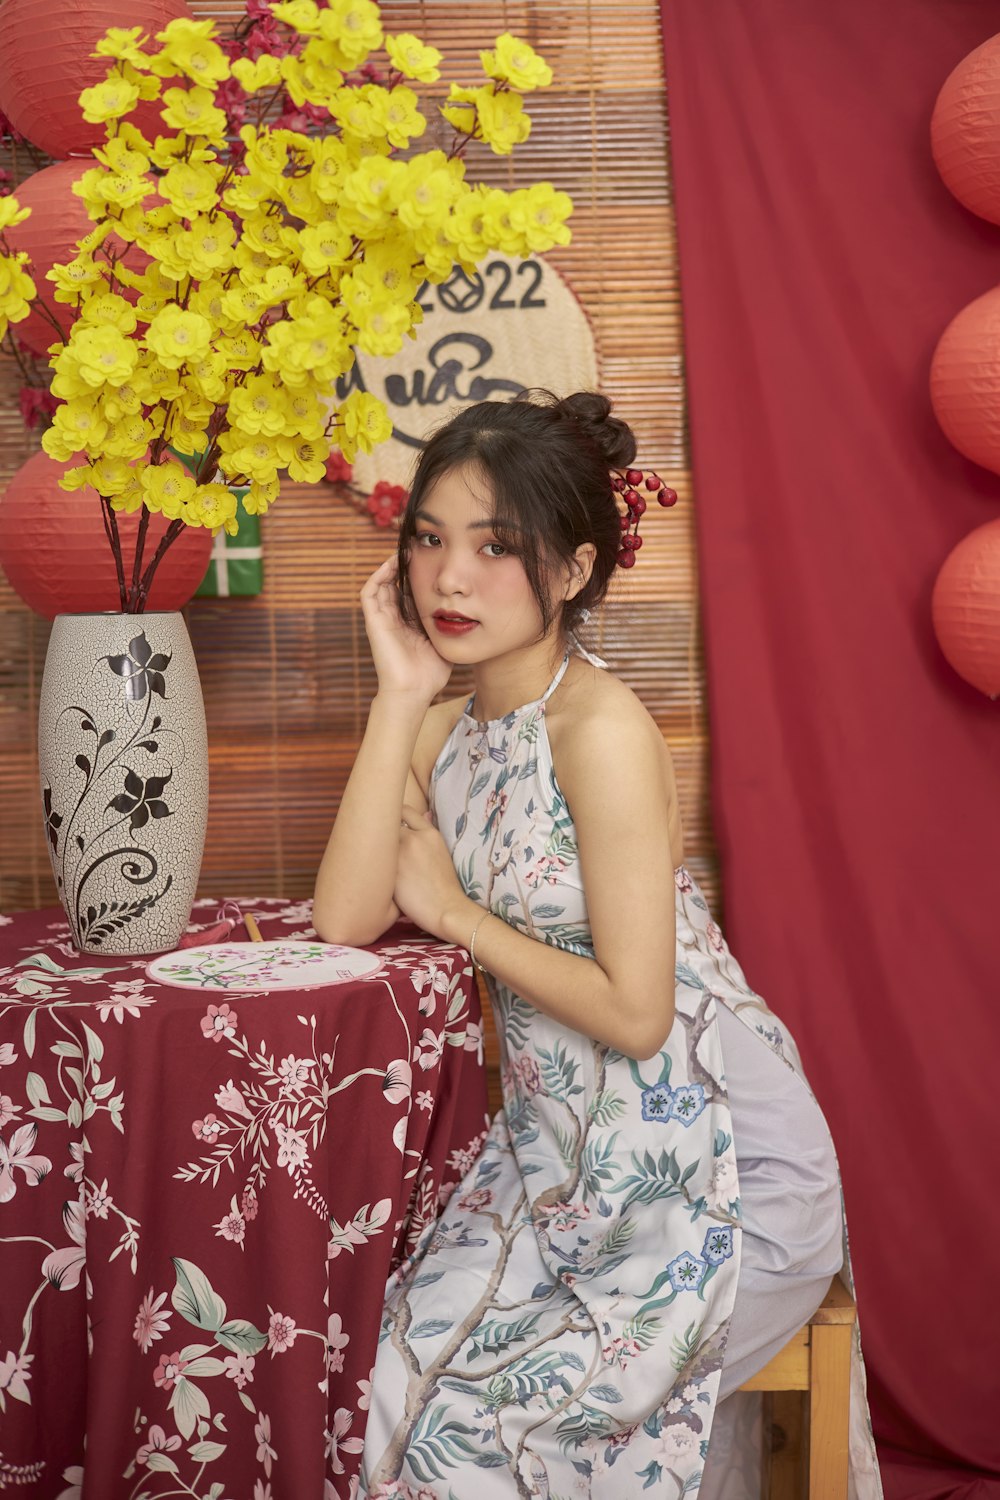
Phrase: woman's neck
(507, 682)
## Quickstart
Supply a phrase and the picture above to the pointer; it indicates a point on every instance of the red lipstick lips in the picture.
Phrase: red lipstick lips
(450, 623)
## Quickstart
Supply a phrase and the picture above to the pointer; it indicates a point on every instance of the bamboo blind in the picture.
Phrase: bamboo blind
(286, 676)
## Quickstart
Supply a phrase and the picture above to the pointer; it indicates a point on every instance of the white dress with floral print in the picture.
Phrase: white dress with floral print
(561, 1331)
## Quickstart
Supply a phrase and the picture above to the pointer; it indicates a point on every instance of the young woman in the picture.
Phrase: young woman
(656, 1209)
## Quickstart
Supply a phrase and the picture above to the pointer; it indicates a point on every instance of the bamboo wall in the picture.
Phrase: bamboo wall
(286, 676)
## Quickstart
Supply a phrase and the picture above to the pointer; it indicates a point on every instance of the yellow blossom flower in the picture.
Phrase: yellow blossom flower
(260, 406)
(123, 43)
(120, 401)
(396, 113)
(304, 417)
(540, 214)
(412, 58)
(119, 157)
(109, 100)
(212, 506)
(187, 47)
(426, 188)
(76, 478)
(502, 121)
(305, 458)
(355, 26)
(514, 62)
(191, 189)
(208, 378)
(264, 73)
(130, 499)
(153, 380)
(250, 193)
(313, 344)
(263, 232)
(98, 187)
(498, 227)
(16, 289)
(381, 327)
(363, 423)
(192, 111)
(165, 487)
(99, 355)
(366, 202)
(207, 247)
(460, 109)
(11, 212)
(261, 494)
(324, 246)
(112, 476)
(246, 454)
(74, 277)
(330, 162)
(110, 309)
(130, 436)
(301, 15)
(76, 425)
(240, 350)
(315, 76)
(176, 337)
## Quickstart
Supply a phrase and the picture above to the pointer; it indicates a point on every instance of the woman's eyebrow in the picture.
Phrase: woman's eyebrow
(423, 515)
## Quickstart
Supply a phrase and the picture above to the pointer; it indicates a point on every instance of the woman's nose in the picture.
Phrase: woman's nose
(452, 574)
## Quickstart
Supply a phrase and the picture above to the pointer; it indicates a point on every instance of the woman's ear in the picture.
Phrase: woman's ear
(580, 569)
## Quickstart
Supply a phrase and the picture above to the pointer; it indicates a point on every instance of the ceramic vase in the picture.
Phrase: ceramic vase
(123, 756)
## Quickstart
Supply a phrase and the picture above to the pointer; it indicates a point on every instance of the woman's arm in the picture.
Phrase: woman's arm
(618, 786)
(353, 900)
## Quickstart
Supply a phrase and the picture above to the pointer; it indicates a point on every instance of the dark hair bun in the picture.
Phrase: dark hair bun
(610, 435)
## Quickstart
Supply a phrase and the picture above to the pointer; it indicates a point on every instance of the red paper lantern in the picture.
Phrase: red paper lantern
(45, 64)
(965, 131)
(965, 381)
(965, 608)
(55, 554)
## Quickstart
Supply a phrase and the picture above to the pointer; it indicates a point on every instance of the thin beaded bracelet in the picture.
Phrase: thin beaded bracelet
(472, 943)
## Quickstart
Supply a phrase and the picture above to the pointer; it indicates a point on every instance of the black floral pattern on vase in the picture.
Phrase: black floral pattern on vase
(142, 673)
(141, 667)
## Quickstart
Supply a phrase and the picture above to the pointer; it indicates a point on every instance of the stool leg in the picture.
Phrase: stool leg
(829, 1411)
(783, 1447)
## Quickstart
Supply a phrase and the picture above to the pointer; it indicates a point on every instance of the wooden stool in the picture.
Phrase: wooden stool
(807, 1388)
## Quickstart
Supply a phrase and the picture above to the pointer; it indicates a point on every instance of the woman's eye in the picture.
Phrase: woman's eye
(427, 539)
(495, 549)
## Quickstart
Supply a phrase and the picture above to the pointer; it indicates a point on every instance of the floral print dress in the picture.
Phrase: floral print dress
(560, 1331)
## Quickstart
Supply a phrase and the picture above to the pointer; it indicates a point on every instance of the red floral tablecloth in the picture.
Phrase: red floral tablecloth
(200, 1203)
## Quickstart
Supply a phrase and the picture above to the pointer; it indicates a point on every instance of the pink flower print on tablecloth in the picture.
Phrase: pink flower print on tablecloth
(151, 1321)
(230, 1099)
(293, 1148)
(166, 1374)
(128, 996)
(8, 1110)
(337, 1341)
(477, 1200)
(99, 1200)
(14, 1375)
(219, 1022)
(75, 1169)
(337, 1439)
(156, 1442)
(295, 1073)
(17, 1152)
(281, 1333)
(428, 1050)
(397, 1081)
(239, 1368)
(209, 1129)
(527, 1071)
(232, 1226)
(546, 869)
(249, 1205)
(425, 1100)
(63, 1267)
(262, 1432)
(365, 1387)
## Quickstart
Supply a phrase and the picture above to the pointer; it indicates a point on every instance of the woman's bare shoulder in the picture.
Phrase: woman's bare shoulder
(439, 721)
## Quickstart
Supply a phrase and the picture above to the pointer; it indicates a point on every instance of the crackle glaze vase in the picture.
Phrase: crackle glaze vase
(123, 755)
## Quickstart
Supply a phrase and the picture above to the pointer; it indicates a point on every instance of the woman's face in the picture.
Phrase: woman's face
(472, 596)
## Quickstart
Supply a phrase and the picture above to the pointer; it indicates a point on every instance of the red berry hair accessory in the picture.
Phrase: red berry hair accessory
(626, 483)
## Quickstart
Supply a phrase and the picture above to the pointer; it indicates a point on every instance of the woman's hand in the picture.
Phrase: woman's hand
(427, 887)
(404, 658)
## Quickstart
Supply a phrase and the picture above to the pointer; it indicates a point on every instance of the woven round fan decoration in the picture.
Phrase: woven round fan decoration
(56, 556)
(512, 325)
(965, 608)
(965, 131)
(45, 64)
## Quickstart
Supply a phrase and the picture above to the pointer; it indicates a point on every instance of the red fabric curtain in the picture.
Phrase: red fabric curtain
(856, 786)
